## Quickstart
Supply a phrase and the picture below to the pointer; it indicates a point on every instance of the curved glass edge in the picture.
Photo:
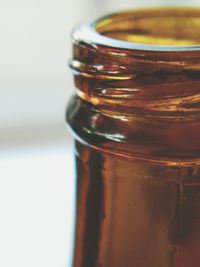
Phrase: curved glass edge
(87, 33)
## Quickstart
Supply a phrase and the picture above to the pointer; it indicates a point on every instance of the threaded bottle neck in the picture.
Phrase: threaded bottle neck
(144, 78)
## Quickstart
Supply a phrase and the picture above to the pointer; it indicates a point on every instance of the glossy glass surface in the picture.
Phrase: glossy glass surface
(136, 120)
(171, 26)
(134, 213)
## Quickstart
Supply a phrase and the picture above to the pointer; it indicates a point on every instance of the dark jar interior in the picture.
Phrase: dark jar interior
(136, 123)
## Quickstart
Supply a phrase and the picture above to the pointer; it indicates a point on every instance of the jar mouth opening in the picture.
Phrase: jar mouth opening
(159, 29)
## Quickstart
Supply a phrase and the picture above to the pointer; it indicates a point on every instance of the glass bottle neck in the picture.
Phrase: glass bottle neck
(139, 84)
(143, 78)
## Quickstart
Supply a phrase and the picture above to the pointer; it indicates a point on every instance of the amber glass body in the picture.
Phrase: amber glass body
(136, 122)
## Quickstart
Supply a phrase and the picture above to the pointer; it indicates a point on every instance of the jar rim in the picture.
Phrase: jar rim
(87, 33)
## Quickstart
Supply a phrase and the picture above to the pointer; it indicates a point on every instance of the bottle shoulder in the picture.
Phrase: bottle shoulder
(164, 140)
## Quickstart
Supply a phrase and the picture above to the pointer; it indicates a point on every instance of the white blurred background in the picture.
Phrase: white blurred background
(36, 155)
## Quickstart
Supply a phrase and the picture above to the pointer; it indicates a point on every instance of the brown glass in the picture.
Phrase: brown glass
(136, 122)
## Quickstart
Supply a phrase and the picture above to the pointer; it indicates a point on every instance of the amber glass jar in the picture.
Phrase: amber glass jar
(136, 121)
